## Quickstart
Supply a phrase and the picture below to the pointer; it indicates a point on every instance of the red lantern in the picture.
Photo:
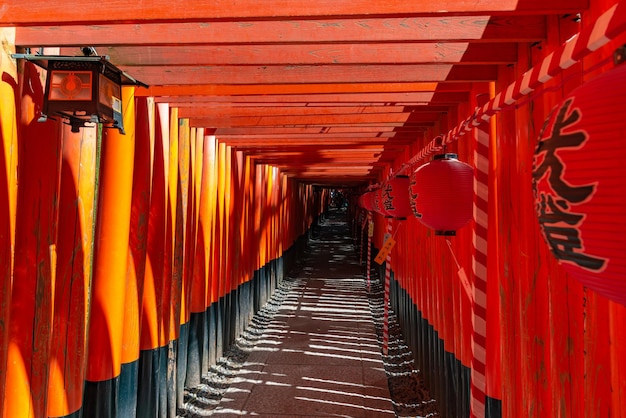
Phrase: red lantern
(578, 181)
(395, 198)
(366, 201)
(441, 194)
(377, 201)
(360, 201)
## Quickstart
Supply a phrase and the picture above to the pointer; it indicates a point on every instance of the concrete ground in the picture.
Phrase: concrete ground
(318, 356)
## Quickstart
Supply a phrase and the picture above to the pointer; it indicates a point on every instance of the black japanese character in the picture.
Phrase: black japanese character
(555, 140)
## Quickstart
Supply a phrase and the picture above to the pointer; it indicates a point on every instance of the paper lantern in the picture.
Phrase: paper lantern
(377, 201)
(441, 194)
(578, 181)
(366, 200)
(360, 202)
(395, 198)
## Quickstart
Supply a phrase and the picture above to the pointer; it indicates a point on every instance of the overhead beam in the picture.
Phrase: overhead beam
(324, 99)
(199, 92)
(199, 110)
(312, 54)
(279, 74)
(42, 12)
(313, 120)
(271, 131)
(348, 137)
(481, 28)
(196, 110)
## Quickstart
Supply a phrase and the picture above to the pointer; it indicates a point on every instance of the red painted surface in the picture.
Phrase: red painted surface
(554, 348)
(138, 237)
(73, 271)
(36, 226)
(441, 194)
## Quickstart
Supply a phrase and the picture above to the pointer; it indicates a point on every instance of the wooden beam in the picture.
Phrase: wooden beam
(199, 110)
(270, 131)
(309, 74)
(312, 54)
(196, 110)
(306, 138)
(329, 99)
(378, 119)
(327, 149)
(206, 92)
(481, 28)
(45, 12)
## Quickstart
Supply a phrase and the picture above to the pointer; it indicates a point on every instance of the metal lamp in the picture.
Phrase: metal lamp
(82, 89)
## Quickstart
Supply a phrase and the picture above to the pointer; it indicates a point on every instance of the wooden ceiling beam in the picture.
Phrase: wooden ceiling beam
(327, 149)
(312, 54)
(478, 28)
(315, 120)
(310, 74)
(207, 92)
(330, 99)
(271, 131)
(348, 137)
(44, 12)
(186, 110)
(198, 110)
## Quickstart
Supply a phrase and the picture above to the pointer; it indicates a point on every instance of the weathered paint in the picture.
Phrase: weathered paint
(552, 345)
(36, 225)
(77, 204)
(110, 265)
(8, 190)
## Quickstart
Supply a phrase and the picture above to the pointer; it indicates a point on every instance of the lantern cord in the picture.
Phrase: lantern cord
(458, 266)
(397, 229)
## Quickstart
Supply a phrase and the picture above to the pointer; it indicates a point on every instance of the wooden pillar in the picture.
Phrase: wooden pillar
(140, 207)
(31, 312)
(104, 356)
(8, 191)
(77, 204)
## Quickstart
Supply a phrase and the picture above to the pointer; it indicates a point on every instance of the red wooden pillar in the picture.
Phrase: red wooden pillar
(140, 208)
(73, 270)
(189, 316)
(8, 192)
(104, 356)
(31, 311)
(152, 299)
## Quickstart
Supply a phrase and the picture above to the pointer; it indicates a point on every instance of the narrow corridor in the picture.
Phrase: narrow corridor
(317, 353)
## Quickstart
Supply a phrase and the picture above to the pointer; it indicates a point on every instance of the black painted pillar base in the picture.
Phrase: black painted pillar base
(127, 398)
(212, 340)
(181, 363)
(193, 371)
(100, 398)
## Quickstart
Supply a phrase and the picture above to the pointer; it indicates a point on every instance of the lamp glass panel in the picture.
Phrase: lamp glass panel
(110, 94)
(70, 85)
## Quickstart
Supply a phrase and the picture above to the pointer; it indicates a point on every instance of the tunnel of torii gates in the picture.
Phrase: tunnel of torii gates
(130, 262)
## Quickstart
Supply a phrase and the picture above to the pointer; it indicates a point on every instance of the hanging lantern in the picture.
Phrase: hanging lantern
(377, 201)
(360, 201)
(365, 201)
(82, 89)
(578, 177)
(395, 198)
(441, 194)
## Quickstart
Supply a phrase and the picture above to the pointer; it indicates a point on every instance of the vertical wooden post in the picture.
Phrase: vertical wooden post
(8, 191)
(140, 207)
(104, 356)
(77, 204)
(152, 299)
(31, 312)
